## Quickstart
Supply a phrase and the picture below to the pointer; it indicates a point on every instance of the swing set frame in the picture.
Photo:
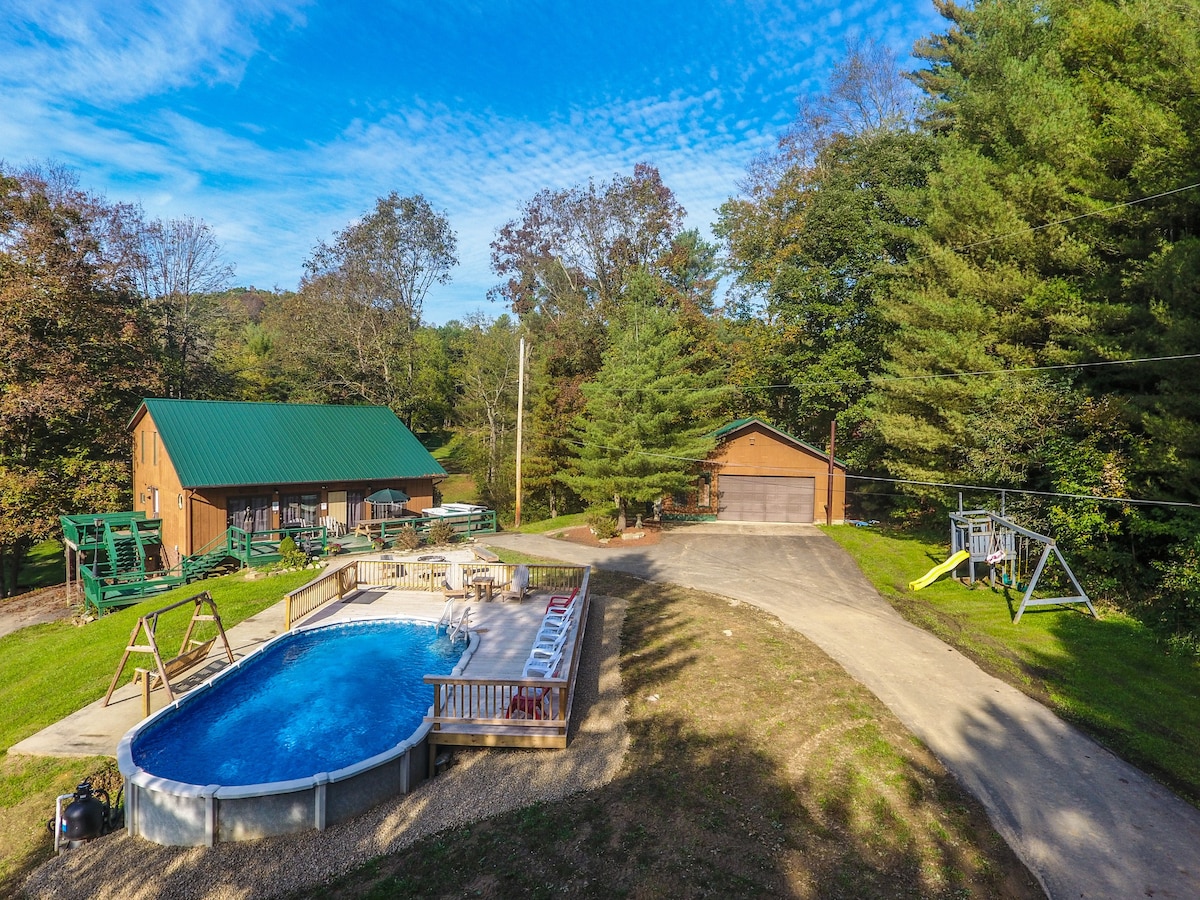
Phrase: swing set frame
(1000, 543)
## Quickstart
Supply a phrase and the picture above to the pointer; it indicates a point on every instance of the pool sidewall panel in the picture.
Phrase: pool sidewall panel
(267, 815)
(172, 819)
(184, 815)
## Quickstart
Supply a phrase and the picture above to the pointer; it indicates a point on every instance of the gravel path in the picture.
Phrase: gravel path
(35, 607)
(479, 784)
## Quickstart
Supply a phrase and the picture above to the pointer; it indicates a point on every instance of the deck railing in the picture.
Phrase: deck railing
(329, 586)
(418, 576)
(466, 524)
(473, 710)
(485, 701)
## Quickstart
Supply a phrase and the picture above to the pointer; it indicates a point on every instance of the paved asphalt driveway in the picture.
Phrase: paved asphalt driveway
(1086, 823)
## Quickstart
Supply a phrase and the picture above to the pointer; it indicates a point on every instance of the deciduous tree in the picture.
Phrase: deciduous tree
(360, 304)
(179, 270)
(73, 357)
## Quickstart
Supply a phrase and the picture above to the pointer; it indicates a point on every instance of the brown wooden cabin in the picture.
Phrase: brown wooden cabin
(203, 465)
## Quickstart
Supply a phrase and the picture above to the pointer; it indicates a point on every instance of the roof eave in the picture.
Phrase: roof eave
(726, 433)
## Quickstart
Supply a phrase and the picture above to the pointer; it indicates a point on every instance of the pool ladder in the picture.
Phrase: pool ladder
(456, 629)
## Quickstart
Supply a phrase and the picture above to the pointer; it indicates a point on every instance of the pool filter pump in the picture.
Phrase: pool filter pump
(86, 817)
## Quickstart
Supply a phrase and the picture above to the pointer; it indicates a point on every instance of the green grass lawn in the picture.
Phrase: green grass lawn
(48, 671)
(569, 521)
(458, 489)
(44, 566)
(1110, 676)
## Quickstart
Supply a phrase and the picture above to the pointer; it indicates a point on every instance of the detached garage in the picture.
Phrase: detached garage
(758, 473)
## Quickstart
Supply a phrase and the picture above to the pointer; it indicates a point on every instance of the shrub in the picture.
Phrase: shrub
(291, 556)
(1177, 605)
(603, 525)
(407, 538)
(441, 532)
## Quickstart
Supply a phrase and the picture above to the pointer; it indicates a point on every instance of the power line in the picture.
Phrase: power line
(1007, 490)
(1066, 221)
(861, 379)
(1018, 369)
(792, 470)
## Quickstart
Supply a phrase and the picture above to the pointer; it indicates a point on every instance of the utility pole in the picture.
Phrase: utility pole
(520, 423)
(829, 479)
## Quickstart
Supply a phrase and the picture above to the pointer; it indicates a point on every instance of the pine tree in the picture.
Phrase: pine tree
(649, 410)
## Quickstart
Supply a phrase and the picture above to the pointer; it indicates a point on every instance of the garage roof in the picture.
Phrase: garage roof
(220, 444)
(726, 431)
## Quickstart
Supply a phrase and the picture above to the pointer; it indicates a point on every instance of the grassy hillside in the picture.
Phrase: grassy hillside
(1110, 676)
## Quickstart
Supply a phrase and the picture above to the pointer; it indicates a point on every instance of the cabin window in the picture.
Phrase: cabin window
(249, 513)
(299, 508)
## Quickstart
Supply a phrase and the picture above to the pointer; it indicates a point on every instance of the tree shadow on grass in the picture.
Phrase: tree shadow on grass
(756, 767)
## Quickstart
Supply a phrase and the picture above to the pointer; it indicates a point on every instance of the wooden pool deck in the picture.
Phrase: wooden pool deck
(504, 633)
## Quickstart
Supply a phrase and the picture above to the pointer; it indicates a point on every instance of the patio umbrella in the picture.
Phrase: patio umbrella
(388, 497)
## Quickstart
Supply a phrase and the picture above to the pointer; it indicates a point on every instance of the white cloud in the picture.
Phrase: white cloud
(106, 53)
(270, 205)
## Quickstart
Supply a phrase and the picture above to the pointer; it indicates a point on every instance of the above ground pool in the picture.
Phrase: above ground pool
(316, 726)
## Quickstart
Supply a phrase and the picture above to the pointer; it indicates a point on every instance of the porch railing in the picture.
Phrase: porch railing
(466, 524)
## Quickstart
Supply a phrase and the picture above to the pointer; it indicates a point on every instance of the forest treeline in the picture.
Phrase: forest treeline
(986, 270)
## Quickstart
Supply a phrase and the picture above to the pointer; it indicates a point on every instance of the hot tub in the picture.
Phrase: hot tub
(316, 726)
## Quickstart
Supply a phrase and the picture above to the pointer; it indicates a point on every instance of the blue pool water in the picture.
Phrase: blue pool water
(315, 701)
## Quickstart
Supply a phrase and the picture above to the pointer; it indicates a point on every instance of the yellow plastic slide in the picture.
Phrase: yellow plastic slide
(938, 571)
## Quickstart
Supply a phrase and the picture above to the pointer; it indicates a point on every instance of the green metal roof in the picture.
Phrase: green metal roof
(220, 444)
(726, 430)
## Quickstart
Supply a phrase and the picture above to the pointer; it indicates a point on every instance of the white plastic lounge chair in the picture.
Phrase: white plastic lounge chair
(559, 618)
(543, 668)
(552, 632)
(547, 647)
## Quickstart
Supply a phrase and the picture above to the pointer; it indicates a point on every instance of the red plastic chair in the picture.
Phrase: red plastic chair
(562, 601)
(532, 703)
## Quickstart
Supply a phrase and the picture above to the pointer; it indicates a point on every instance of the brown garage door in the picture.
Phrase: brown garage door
(766, 498)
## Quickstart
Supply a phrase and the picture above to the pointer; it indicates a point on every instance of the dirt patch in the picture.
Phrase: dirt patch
(647, 536)
(34, 607)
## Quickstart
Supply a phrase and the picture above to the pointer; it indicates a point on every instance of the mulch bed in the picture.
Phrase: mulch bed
(646, 536)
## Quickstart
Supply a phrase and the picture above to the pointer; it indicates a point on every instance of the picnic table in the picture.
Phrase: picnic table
(370, 527)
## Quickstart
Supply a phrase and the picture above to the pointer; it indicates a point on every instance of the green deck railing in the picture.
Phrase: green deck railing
(465, 524)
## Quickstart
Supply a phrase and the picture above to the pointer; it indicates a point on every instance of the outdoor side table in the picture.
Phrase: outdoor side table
(483, 588)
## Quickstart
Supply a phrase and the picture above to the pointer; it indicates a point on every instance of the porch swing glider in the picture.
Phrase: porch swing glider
(1008, 549)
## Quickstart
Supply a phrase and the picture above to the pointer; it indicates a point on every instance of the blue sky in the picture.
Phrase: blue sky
(279, 122)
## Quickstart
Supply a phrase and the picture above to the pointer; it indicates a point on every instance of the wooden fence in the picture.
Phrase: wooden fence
(416, 576)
